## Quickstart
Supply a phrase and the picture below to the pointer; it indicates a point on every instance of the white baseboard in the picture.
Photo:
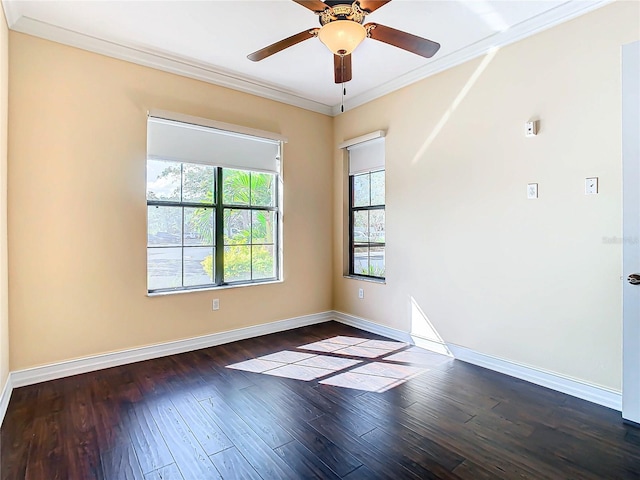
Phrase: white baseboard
(67, 368)
(570, 386)
(5, 397)
(369, 326)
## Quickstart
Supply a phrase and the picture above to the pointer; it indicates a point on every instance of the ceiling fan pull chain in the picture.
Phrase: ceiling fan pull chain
(344, 90)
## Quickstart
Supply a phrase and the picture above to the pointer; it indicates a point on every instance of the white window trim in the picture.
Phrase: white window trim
(363, 138)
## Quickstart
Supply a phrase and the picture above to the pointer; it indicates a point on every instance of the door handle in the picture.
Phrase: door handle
(634, 279)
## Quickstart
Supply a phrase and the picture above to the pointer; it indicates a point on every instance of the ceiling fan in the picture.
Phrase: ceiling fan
(342, 30)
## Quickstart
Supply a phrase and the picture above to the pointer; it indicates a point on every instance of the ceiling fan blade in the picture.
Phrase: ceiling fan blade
(313, 5)
(406, 41)
(372, 5)
(282, 44)
(342, 68)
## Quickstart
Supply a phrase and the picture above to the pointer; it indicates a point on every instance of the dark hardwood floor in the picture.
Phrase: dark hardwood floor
(331, 402)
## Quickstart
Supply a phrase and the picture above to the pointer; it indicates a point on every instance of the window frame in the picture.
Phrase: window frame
(219, 207)
(219, 229)
(352, 243)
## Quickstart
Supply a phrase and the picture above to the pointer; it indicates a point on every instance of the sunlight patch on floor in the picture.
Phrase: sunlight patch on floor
(300, 372)
(354, 346)
(420, 358)
(373, 366)
(256, 365)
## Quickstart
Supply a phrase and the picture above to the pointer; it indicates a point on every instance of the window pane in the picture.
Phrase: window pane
(361, 260)
(376, 261)
(163, 180)
(237, 227)
(197, 269)
(164, 268)
(197, 183)
(263, 226)
(198, 226)
(235, 186)
(181, 238)
(237, 263)
(361, 190)
(376, 226)
(377, 188)
(164, 225)
(263, 262)
(263, 189)
(361, 226)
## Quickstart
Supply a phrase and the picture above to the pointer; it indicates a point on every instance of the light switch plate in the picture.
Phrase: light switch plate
(532, 190)
(591, 186)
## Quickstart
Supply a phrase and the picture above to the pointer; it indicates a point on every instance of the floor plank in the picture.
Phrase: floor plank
(305, 462)
(190, 458)
(150, 446)
(46, 455)
(250, 445)
(231, 464)
(170, 472)
(121, 462)
(204, 429)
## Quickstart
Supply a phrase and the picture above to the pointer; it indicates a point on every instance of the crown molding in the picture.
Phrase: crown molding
(161, 61)
(11, 12)
(207, 73)
(560, 14)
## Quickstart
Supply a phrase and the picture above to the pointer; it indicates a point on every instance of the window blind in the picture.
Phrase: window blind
(366, 157)
(195, 140)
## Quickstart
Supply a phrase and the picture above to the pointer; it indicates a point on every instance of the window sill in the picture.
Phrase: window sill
(382, 281)
(210, 289)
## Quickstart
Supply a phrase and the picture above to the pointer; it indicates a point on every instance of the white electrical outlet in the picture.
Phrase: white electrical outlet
(216, 304)
(531, 129)
(532, 190)
(591, 186)
(361, 293)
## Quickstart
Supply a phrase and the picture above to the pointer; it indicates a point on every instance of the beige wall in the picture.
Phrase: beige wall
(530, 281)
(4, 293)
(77, 211)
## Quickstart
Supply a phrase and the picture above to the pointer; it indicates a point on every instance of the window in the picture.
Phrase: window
(367, 209)
(213, 218)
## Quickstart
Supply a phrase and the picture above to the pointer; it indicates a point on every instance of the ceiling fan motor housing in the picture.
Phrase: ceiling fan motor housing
(341, 11)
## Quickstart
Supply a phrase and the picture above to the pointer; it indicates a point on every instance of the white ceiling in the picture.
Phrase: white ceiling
(210, 40)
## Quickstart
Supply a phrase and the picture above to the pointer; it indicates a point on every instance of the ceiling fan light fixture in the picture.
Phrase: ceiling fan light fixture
(342, 36)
